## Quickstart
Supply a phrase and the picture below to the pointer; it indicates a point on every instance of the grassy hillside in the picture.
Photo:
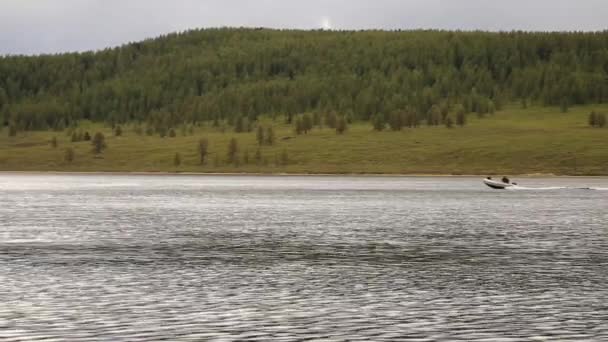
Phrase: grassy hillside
(513, 141)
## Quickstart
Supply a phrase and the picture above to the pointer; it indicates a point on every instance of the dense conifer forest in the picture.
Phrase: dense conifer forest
(237, 75)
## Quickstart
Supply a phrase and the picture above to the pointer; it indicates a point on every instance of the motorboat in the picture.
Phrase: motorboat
(497, 184)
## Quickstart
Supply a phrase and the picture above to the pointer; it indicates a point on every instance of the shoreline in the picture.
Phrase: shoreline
(282, 174)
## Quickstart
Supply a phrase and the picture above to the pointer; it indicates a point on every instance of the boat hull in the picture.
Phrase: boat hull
(496, 185)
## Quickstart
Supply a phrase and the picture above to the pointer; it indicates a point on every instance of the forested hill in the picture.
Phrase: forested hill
(216, 74)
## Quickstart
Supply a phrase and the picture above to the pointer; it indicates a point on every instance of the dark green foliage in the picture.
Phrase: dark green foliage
(341, 125)
(233, 150)
(593, 119)
(68, 155)
(99, 143)
(303, 124)
(331, 120)
(259, 136)
(461, 116)
(172, 133)
(203, 150)
(434, 116)
(54, 142)
(316, 118)
(307, 123)
(397, 120)
(118, 131)
(177, 159)
(564, 106)
(601, 120)
(411, 119)
(299, 125)
(270, 138)
(239, 126)
(378, 122)
(449, 122)
(597, 119)
(225, 74)
(86, 136)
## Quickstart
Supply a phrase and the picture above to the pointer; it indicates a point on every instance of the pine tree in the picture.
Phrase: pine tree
(316, 118)
(68, 155)
(233, 150)
(87, 136)
(593, 119)
(341, 125)
(378, 122)
(564, 106)
(299, 126)
(284, 158)
(449, 123)
(258, 156)
(99, 143)
(203, 150)
(461, 117)
(260, 135)
(434, 116)
(601, 120)
(307, 123)
(331, 120)
(270, 136)
(396, 121)
(239, 125)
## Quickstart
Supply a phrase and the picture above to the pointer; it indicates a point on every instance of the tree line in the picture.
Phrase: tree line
(392, 79)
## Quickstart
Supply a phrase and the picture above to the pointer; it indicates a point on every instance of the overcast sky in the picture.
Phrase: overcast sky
(49, 26)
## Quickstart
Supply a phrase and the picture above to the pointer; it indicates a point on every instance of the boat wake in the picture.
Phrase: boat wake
(517, 187)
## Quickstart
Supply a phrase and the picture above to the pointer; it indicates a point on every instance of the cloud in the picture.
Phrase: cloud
(36, 26)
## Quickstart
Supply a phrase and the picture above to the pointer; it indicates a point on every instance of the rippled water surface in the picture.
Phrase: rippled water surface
(110, 258)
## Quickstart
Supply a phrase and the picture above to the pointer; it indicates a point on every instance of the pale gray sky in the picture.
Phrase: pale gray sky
(49, 26)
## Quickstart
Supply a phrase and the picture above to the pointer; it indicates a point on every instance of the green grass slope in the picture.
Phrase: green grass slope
(513, 141)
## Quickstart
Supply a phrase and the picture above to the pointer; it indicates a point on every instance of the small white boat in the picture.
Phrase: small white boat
(497, 184)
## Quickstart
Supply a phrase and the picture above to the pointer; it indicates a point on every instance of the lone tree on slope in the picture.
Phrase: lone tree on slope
(203, 149)
(99, 143)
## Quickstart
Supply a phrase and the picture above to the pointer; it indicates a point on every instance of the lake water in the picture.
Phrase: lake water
(112, 257)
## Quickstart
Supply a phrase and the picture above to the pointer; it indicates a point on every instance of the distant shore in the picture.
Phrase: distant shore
(532, 142)
(246, 174)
